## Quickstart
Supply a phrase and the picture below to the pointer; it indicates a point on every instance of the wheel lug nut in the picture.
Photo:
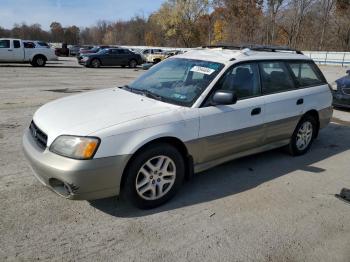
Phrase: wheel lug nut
(158, 180)
(151, 177)
(153, 181)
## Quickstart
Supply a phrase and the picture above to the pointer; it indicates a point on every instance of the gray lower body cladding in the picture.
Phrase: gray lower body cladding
(214, 150)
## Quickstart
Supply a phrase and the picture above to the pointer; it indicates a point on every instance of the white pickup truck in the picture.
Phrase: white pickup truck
(20, 51)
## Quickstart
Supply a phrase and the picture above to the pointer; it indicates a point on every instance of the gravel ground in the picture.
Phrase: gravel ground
(266, 207)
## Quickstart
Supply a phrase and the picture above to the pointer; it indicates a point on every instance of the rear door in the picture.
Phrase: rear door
(18, 51)
(284, 101)
(229, 129)
(6, 50)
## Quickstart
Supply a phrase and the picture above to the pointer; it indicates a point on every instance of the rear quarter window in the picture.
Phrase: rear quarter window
(306, 74)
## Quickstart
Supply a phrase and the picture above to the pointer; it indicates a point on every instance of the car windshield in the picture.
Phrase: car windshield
(177, 80)
(95, 49)
(102, 51)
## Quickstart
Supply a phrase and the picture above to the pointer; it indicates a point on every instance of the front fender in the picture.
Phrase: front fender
(185, 128)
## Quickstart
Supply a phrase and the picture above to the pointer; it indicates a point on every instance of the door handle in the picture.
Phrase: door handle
(256, 111)
(10, 50)
(300, 101)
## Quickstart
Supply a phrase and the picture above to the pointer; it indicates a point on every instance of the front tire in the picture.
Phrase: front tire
(133, 63)
(96, 63)
(303, 136)
(154, 176)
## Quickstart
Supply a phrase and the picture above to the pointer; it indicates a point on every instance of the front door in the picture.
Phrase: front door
(229, 129)
(6, 51)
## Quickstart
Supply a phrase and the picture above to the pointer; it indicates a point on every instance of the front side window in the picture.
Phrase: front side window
(177, 80)
(4, 43)
(16, 44)
(275, 77)
(243, 79)
(305, 74)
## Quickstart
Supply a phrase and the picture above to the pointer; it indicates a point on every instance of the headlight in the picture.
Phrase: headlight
(334, 86)
(75, 147)
(85, 58)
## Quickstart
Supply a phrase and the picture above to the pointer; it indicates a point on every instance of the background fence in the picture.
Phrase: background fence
(329, 58)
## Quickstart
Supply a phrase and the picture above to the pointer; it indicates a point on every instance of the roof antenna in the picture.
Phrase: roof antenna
(246, 51)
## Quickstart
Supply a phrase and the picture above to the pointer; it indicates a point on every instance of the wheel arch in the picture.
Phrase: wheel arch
(173, 141)
(96, 58)
(37, 55)
(314, 113)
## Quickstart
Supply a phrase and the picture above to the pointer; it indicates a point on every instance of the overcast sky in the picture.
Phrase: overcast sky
(69, 12)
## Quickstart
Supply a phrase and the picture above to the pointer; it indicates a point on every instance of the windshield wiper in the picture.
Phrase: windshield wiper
(150, 94)
(142, 92)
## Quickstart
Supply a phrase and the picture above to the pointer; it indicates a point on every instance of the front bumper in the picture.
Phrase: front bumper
(75, 179)
(341, 100)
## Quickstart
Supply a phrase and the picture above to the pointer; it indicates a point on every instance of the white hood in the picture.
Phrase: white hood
(89, 112)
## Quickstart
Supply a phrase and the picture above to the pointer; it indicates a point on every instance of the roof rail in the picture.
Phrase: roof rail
(266, 48)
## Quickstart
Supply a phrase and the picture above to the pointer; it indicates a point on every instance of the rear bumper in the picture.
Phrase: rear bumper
(75, 179)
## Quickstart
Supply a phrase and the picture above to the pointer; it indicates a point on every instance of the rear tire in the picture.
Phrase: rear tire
(38, 61)
(303, 136)
(154, 176)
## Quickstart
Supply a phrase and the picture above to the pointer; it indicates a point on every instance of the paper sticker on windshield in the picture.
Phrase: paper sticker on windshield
(202, 70)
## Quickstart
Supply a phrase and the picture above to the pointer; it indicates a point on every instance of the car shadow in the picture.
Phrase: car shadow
(240, 175)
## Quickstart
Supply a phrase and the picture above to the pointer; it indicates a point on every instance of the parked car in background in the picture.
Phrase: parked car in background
(94, 50)
(149, 51)
(185, 115)
(74, 50)
(341, 91)
(18, 51)
(111, 57)
(62, 51)
(157, 57)
(85, 47)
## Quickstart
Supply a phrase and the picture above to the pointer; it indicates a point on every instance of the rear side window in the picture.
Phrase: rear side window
(16, 44)
(4, 43)
(305, 74)
(275, 77)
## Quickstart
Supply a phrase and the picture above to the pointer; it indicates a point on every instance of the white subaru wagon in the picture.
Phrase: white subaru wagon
(186, 114)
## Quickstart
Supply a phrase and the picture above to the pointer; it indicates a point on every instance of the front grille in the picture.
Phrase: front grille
(39, 136)
(346, 91)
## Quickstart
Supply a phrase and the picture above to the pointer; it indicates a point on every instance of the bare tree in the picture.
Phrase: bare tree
(326, 8)
(273, 7)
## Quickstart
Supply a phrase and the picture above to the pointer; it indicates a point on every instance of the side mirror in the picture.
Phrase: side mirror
(348, 72)
(224, 97)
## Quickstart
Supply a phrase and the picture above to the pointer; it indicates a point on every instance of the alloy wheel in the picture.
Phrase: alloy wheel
(304, 135)
(155, 178)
